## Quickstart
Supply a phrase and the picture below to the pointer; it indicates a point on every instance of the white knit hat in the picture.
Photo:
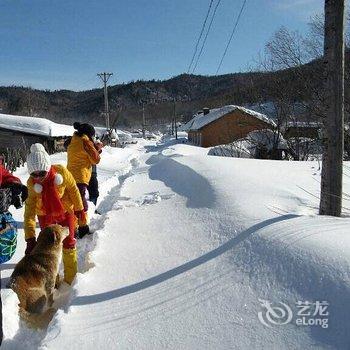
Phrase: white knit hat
(38, 159)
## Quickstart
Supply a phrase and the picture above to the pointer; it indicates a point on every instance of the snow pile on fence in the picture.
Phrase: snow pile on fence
(247, 147)
(237, 149)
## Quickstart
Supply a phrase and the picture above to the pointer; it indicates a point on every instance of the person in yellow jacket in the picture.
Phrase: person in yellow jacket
(82, 154)
(54, 198)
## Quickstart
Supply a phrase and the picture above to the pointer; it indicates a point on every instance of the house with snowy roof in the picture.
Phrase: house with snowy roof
(224, 125)
(18, 133)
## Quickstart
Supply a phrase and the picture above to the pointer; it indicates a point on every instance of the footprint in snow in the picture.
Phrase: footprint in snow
(154, 197)
(148, 198)
(151, 198)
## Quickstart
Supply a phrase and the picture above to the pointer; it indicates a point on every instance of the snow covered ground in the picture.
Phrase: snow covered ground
(188, 250)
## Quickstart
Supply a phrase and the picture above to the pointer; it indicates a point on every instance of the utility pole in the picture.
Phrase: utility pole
(105, 77)
(143, 120)
(143, 102)
(333, 133)
(30, 106)
(175, 124)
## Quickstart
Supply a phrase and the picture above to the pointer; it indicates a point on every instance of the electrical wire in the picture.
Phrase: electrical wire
(200, 36)
(231, 36)
(206, 35)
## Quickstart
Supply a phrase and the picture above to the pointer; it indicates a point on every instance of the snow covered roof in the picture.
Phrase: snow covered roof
(201, 120)
(270, 108)
(302, 124)
(36, 126)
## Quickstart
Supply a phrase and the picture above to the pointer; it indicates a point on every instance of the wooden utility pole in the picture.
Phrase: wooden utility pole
(333, 133)
(175, 123)
(30, 104)
(172, 126)
(143, 120)
(105, 77)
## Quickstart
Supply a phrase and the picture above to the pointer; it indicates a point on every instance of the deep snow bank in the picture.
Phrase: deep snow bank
(188, 245)
(194, 242)
(301, 252)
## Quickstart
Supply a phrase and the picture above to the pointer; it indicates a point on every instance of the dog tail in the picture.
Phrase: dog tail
(36, 301)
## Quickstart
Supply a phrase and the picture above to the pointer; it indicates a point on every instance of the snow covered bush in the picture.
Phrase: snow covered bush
(236, 149)
(261, 144)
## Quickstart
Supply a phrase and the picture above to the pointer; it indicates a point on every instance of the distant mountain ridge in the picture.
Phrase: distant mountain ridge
(191, 93)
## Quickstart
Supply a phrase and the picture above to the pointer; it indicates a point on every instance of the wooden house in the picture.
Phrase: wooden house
(224, 125)
(18, 133)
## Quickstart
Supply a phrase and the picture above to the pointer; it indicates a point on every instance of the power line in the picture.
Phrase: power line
(206, 35)
(231, 36)
(200, 36)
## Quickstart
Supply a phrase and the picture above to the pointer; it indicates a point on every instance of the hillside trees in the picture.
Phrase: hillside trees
(285, 77)
(297, 93)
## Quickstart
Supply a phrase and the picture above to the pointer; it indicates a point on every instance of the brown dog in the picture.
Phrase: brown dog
(34, 277)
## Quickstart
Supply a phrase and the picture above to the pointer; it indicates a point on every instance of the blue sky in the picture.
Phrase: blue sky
(56, 44)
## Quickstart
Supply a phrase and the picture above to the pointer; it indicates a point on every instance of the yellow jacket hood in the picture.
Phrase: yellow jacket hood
(81, 154)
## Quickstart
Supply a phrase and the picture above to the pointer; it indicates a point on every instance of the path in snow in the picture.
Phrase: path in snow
(114, 165)
(186, 246)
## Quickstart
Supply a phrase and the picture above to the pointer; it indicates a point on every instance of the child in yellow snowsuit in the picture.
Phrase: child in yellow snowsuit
(54, 197)
(82, 154)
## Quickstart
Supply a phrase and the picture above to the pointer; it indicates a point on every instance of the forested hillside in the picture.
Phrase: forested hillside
(190, 92)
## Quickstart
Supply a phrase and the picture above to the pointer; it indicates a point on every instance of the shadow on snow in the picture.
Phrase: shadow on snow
(184, 181)
(117, 293)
